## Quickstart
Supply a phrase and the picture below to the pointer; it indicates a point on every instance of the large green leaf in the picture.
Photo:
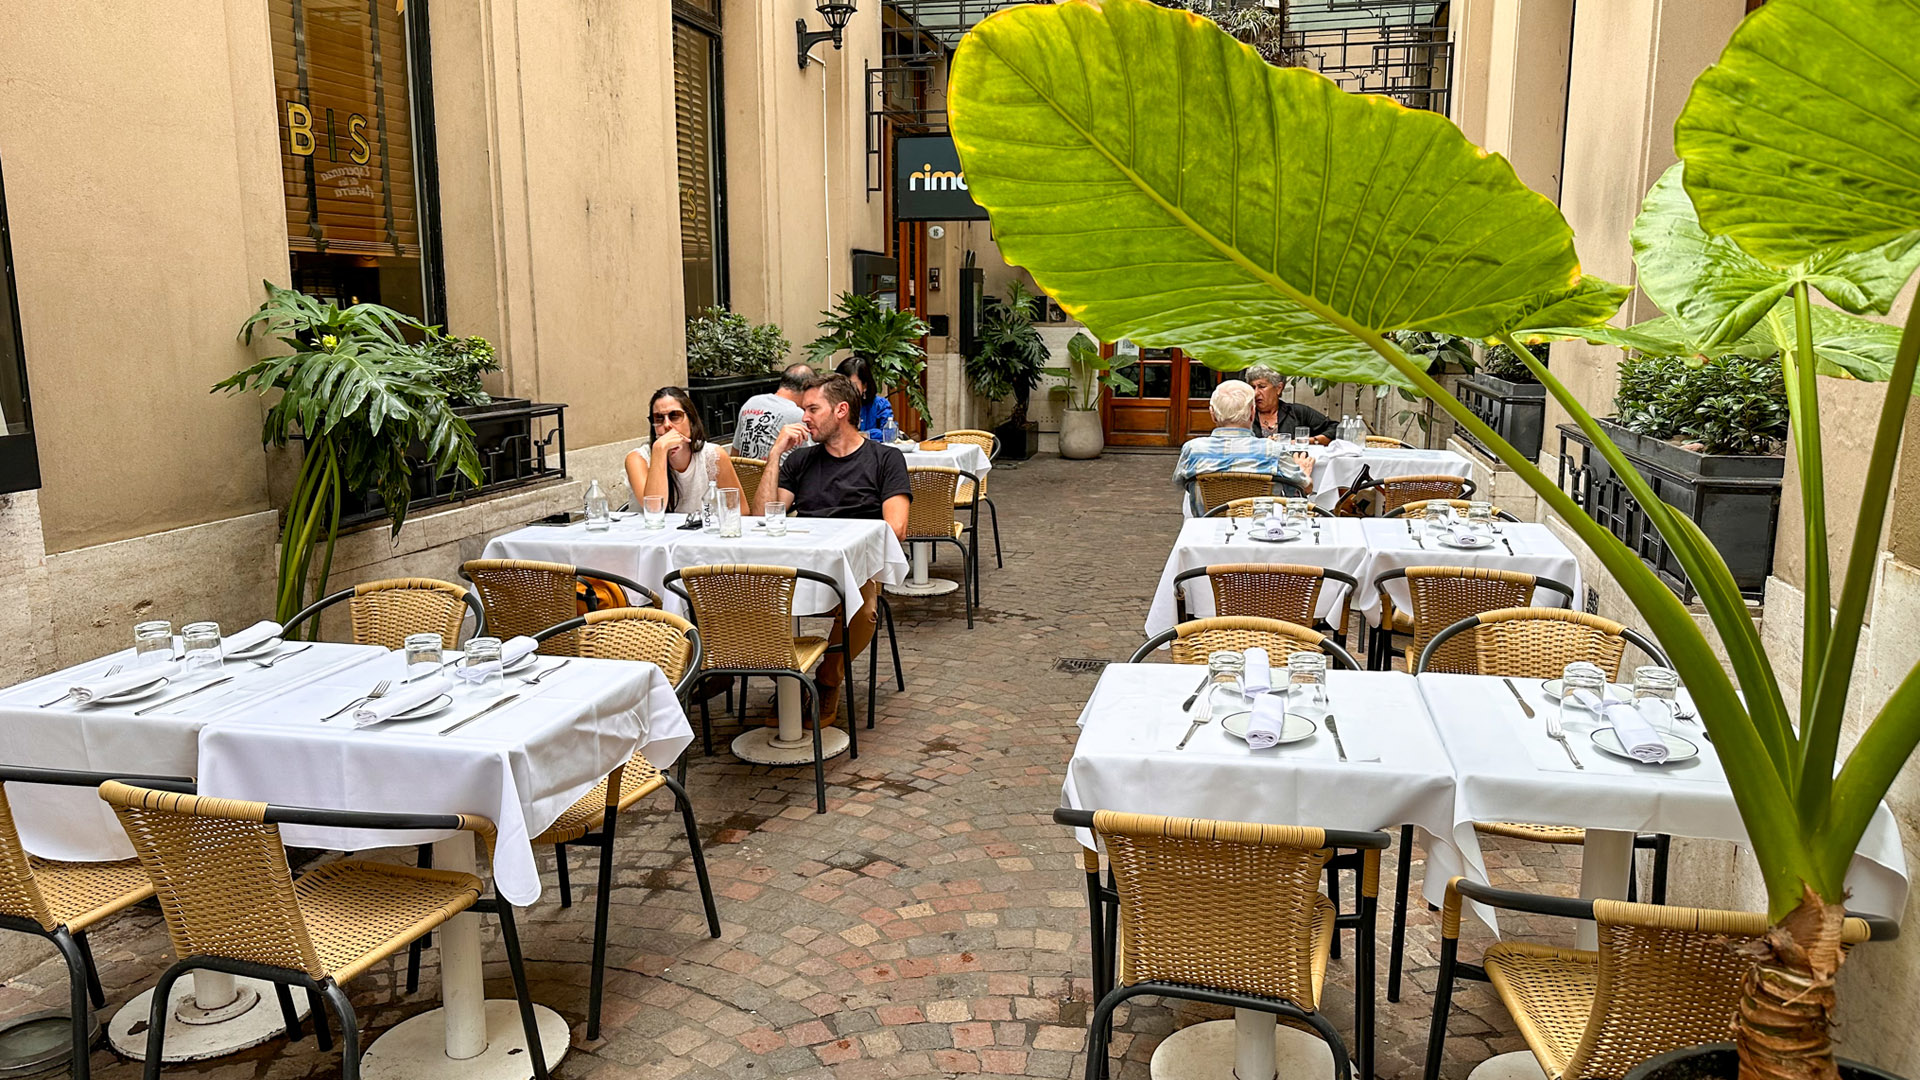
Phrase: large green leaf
(1805, 136)
(1721, 292)
(1167, 185)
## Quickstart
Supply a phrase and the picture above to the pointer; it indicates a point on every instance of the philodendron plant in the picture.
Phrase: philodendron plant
(1088, 373)
(1166, 185)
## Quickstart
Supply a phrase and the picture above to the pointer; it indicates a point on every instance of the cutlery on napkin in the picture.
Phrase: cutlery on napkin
(91, 690)
(1635, 731)
(380, 710)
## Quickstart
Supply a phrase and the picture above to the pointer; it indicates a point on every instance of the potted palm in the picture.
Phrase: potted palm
(1798, 185)
(730, 359)
(1082, 431)
(1008, 363)
(887, 338)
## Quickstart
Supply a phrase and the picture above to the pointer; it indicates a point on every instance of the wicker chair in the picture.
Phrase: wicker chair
(933, 519)
(522, 597)
(1401, 490)
(1190, 642)
(746, 615)
(61, 901)
(232, 904)
(1228, 914)
(1460, 506)
(1239, 508)
(1281, 591)
(1662, 978)
(1213, 489)
(1386, 442)
(1442, 596)
(384, 612)
(749, 469)
(964, 495)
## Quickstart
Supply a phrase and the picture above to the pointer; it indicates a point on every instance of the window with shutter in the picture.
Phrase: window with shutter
(696, 106)
(19, 459)
(348, 149)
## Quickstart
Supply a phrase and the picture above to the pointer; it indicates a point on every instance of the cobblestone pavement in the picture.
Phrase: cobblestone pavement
(932, 922)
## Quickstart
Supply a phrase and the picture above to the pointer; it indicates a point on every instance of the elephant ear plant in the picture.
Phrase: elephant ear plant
(1088, 373)
(1317, 223)
(362, 398)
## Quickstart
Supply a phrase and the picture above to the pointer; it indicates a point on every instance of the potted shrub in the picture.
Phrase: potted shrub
(887, 338)
(1442, 355)
(1792, 186)
(1008, 363)
(1502, 392)
(1082, 428)
(730, 359)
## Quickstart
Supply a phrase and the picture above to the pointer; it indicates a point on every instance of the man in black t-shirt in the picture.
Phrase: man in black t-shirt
(842, 475)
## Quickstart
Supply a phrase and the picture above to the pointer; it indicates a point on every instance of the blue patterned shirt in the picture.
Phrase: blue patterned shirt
(1235, 449)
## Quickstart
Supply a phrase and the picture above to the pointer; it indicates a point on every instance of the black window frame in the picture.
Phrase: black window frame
(19, 455)
(708, 23)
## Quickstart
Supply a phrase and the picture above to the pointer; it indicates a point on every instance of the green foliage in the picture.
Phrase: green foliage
(888, 338)
(362, 397)
(1732, 405)
(1503, 363)
(1012, 357)
(1257, 24)
(1088, 373)
(462, 362)
(722, 344)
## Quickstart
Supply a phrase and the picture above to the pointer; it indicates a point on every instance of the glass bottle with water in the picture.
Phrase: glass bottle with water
(598, 519)
(710, 508)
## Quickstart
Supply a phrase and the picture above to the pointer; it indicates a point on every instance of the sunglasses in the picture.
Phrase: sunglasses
(673, 417)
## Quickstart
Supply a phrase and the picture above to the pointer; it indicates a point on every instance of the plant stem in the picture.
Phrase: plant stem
(1804, 410)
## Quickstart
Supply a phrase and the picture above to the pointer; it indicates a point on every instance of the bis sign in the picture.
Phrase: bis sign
(928, 183)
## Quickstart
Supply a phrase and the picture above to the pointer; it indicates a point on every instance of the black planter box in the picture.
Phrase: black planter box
(1517, 412)
(718, 401)
(1734, 498)
(1018, 442)
(520, 442)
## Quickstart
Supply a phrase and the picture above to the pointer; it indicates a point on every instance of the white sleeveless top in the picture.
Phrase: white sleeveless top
(691, 486)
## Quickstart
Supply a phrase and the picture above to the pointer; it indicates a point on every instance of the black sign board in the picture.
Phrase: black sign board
(928, 184)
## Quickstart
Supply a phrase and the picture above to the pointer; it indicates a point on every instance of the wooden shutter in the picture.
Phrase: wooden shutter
(342, 60)
(693, 85)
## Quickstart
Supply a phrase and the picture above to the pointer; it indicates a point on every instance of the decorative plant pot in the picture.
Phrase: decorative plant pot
(718, 401)
(1018, 442)
(1517, 412)
(1082, 434)
(1719, 1061)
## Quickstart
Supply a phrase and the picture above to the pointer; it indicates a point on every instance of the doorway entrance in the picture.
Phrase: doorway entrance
(1169, 403)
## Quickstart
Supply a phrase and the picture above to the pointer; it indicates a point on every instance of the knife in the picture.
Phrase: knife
(1195, 696)
(1524, 707)
(508, 700)
(183, 697)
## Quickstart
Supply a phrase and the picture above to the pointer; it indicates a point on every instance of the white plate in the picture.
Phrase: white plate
(521, 664)
(1678, 749)
(1275, 536)
(256, 650)
(1292, 730)
(1466, 541)
(158, 684)
(421, 712)
(1615, 691)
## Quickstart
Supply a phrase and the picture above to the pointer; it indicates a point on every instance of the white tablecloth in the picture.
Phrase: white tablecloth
(963, 456)
(519, 766)
(1330, 474)
(1125, 760)
(1508, 770)
(1390, 546)
(852, 552)
(1203, 542)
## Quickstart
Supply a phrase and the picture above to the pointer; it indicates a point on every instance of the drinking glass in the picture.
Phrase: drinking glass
(200, 645)
(1262, 510)
(481, 669)
(1438, 515)
(152, 641)
(1223, 673)
(729, 512)
(1300, 510)
(1307, 675)
(1480, 515)
(1656, 695)
(1579, 676)
(423, 655)
(1302, 437)
(776, 518)
(653, 511)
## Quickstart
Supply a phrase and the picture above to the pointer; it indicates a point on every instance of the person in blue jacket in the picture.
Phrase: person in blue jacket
(876, 412)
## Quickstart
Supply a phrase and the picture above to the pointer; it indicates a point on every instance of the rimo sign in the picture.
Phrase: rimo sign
(303, 138)
(928, 182)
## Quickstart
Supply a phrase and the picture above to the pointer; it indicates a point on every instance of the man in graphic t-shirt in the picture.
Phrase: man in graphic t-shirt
(763, 415)
(843, 474)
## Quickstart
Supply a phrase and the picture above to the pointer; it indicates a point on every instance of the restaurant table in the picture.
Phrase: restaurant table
(260, 738)
(1396, 543)
(1334, 471)
(1341, 546)
(851, 551)
(1126, 760)
(968, 458)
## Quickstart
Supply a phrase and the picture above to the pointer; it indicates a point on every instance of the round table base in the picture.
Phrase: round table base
(198, 1041)
(933, 587)
(1519, 1065)
(762, 746)
(417, 1049)
(1205, 1052)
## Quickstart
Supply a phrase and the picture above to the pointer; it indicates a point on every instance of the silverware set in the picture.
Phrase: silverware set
(1554, 731)
(114, 670)
(379, 691)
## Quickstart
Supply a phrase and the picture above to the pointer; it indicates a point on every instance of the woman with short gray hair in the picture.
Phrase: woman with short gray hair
(1273, 418)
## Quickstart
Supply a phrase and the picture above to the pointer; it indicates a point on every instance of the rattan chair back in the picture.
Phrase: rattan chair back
(20, 894)
(1418, 507)
(1539, 643)
(1385, 442)
(1401, 490)
(1268, 590)
(525, 597)
(1224, 487)
(220, 875)
(749, 470)
(1240, 508)
(659, 637)
(1219, 904)
(384, 612)
(1443, 595)
(985, 440)
(1194, 640)
(745, 614)
(931, 516)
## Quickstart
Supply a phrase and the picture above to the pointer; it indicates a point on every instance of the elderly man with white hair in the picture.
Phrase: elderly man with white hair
(1233, 447)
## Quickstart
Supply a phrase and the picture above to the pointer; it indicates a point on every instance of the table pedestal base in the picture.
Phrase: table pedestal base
(1240, 1049)
(417, 1049)
(250, 1017)
(919, 584)
(1519, 1065)
(763, 746)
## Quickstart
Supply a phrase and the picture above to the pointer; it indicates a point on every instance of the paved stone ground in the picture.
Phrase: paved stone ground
(932, 922)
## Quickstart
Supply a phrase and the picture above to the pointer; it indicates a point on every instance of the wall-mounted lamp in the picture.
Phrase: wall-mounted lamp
(837, 16)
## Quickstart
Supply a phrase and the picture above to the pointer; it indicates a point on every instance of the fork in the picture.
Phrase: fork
(272, 660)
(1555, 733)
(114, 670)
(534, 680)
(379, 690)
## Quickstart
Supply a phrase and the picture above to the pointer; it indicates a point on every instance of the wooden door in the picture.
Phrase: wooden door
(1169, 402)
(910, 248)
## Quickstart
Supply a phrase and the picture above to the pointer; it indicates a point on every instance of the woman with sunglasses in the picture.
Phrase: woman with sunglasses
(679, 462)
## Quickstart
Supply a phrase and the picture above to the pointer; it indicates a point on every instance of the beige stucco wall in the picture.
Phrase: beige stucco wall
(1528, 45)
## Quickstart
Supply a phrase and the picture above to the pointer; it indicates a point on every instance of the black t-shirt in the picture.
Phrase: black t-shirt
(855, 486)
(1295, 415)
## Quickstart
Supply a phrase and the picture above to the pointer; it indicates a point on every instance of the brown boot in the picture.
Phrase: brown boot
(829, 704)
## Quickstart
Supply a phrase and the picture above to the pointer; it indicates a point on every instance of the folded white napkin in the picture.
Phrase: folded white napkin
(1635, 731)
(105, 685)
(1257, 677)
(263, 631)
(1461, 531)
(513, 649)
(1343, 448)
(1269, 717)
(411, 696)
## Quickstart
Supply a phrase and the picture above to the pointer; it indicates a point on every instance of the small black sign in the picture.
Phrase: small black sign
(928, 183)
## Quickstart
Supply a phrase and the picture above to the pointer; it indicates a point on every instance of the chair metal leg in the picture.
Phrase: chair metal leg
(1662, 847)
(1397, 948)
(317, 1010)
(602, 908)
(349, 1029)
(566, 878)
(846, 698)
(893, 643)
(157, 1012)
(510, 938)
(819, 754)
(706, 729)
(1442, 1005)
(873, 669)
(295, 1029)
(94, 989)
(1333, 894)
(994, 513)
(79, 1016)
(1096, 917)
(1365, 952)
(699, 856)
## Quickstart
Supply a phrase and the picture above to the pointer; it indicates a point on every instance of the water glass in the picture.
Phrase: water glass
(152, 641)
(482, 668)
(776, 518)
(1302, 437)
(730, 505)
(1300, 510)
(1480, 515)
(1224, 669)
(1438, 515)
(653, 511)
(1656, 695)
(1581, 676)
(200, 645)
(1307, 677)
(423, 655)
(1262, 510)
